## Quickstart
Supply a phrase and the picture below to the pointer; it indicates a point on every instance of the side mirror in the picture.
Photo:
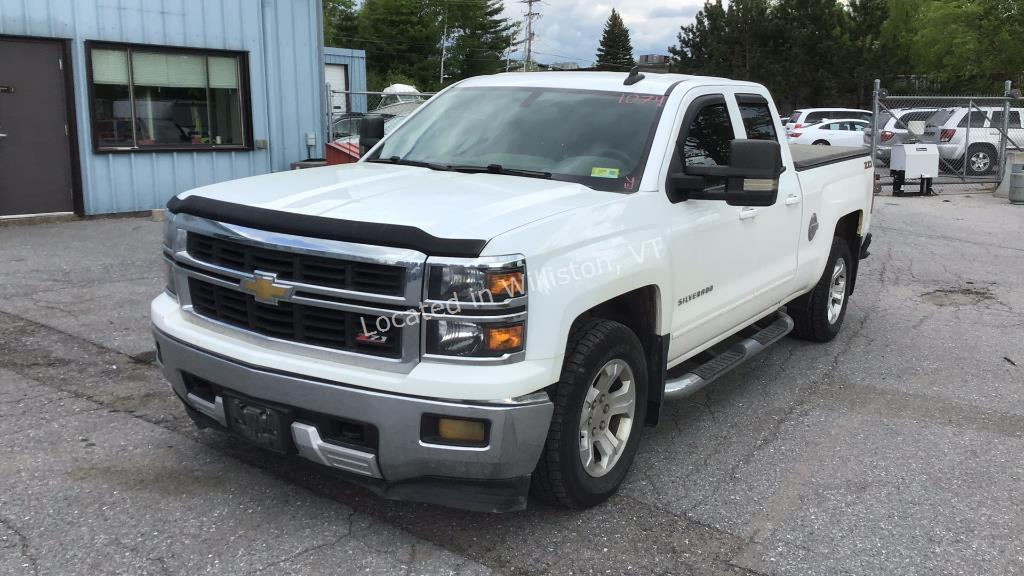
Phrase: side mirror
(371, 131)
(752, 178)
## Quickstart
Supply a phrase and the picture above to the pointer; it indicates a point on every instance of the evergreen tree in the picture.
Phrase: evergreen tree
(479, 38)
(402, 39)
(616, 49)
(340, 25)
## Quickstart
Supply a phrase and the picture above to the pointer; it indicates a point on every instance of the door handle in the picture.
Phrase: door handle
(3, 135)
(748, 213)
(792, 200)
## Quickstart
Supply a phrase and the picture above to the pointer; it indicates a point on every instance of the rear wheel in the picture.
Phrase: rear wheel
(822, 143)
(819, 315)
(600, 403)
(981, 159)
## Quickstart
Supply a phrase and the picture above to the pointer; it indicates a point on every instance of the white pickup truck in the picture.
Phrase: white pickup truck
(505, 290)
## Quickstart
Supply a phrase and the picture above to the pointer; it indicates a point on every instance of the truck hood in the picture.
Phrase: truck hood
(443, 204)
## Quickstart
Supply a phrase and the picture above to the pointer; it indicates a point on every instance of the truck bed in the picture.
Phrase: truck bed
(808, 156)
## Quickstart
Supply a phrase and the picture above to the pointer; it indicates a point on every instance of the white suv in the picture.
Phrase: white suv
(970, 135)
(806, 116)
(893, 126)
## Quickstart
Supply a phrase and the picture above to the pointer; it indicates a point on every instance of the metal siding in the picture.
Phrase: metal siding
(356, 62)
(282, 40)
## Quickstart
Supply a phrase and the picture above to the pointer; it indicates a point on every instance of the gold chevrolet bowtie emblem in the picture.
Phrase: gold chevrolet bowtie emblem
(265, 289)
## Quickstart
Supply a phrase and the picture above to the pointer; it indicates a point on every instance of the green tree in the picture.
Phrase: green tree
(340, 22)
(479, 38)
(870, 56)
(402, 38)
(616, 49)
(970, 45)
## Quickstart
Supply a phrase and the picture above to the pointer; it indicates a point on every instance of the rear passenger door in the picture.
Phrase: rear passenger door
(776, 227)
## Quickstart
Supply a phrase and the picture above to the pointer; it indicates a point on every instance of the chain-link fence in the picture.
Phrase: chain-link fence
(347, 109)
(972, 135)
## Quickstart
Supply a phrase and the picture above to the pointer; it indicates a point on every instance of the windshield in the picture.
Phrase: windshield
(598, 139)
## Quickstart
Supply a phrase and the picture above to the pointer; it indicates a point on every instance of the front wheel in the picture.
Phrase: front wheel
(819, 315)
(600, 403)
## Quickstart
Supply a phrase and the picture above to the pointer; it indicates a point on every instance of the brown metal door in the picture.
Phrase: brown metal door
(35, 150)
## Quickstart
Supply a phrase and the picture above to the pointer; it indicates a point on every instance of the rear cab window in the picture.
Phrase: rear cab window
(758, 121)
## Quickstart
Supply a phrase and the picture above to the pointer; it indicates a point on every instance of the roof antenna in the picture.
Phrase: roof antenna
(634, 76)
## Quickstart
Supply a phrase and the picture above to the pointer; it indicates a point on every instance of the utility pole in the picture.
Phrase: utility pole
(444, 43)
(530, 15)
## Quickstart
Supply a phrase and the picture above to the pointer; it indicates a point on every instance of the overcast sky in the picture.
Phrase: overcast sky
(570, 30)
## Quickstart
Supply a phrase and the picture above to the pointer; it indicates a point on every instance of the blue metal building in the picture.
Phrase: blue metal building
(147, 98)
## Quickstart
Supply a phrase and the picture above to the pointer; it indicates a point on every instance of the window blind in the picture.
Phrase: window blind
(110, 67)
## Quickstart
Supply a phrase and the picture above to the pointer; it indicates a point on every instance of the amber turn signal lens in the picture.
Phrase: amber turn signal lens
(505, 339)
(506, 284)
(461, 430)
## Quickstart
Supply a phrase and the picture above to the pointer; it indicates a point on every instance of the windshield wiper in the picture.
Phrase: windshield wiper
(499, 169)
(403, 162)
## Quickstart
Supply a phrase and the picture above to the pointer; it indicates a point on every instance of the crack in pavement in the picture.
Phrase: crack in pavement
(306, 551)
(23, 544)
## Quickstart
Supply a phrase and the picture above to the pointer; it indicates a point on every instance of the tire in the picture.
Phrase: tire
(816, 318)
(822, 143)
(595, 348)
(981, 159)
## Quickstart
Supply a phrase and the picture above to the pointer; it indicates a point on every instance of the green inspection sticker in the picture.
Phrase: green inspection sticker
(604, 172)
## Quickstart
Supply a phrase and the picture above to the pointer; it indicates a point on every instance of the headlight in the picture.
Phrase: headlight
(488, 280)
(170, 232)
(464, 338)
(168, 248)
(475, 309)
(169, 278)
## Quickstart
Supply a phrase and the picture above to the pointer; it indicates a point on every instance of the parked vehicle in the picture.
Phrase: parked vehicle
(972, 136)
(843, 132)
(503, 292)
(893, 129)
(801, 118)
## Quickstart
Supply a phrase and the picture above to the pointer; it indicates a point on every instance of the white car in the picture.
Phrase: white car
(805, 116)
(490, 301)
(845, 132)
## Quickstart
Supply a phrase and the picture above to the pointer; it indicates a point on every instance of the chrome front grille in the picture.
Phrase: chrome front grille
(312, 325)
(306, 268)
(329, 299)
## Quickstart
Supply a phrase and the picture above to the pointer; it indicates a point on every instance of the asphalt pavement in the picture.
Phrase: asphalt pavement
(895, 449)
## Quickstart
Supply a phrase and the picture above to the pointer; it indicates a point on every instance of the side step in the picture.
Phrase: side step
(737, 354)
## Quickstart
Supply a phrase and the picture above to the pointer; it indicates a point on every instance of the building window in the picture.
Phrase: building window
(154, 98)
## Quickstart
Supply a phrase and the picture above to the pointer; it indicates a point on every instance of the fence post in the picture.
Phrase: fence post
(1003, 140)
(875, 94)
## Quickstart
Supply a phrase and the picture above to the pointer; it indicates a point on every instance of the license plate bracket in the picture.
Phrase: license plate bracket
(259, 424)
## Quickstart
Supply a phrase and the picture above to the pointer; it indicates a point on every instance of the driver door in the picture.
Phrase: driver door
(713, 272)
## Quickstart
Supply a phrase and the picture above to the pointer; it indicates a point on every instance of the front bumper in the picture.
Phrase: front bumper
(494, 477)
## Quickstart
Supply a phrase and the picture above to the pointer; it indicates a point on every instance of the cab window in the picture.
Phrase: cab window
(709, 136)
(757, 117)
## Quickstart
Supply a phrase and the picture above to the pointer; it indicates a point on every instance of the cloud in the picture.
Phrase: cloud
(678, 12)
(570, 30)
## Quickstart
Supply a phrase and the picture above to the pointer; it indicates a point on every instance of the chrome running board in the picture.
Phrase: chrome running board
(721, 364)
